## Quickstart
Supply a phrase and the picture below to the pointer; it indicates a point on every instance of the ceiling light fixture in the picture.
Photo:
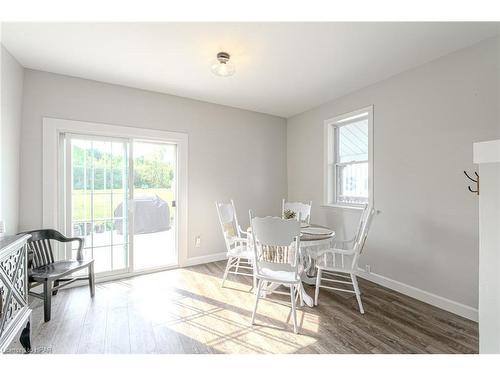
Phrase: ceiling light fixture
(222, 67)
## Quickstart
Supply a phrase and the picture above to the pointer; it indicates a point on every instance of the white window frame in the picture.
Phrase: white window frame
(330, 150)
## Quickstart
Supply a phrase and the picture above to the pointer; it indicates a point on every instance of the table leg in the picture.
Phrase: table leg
(270, 287)
(305, 297)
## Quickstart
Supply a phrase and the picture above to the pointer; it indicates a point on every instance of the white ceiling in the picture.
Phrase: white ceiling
(281, 68)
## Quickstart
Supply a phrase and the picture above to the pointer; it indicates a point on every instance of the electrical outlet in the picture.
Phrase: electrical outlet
(368, 268)
(197, 241)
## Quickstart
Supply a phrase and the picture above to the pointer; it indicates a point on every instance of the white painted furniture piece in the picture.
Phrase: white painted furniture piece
(276, 243)
(14, 308)
(339, 266)
(302, 210)
(487, 155)
(239, 255)
(310, 246)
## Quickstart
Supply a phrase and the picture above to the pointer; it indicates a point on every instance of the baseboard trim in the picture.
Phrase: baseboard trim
(454, 307)
(193, 261)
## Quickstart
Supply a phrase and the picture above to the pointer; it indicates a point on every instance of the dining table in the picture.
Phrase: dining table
(314, 238)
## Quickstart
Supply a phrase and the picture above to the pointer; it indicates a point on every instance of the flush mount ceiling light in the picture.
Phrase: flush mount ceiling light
(222, 67)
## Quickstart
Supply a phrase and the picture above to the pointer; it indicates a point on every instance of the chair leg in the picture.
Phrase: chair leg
(294, 313)
(301, 297)
(228, 266)
(358, 294)
(56, 284)
(257, 296)
(318, 284)
(253, 275)
(238, 264)
(47, 299)
(91, 280)
(298, 291)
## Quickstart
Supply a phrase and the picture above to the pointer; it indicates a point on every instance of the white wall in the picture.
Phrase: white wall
(487, 154)
(425, 121)
(11, 105)
(232, 153)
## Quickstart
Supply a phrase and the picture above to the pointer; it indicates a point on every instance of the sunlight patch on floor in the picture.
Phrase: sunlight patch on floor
(226, 330)
(220, 317)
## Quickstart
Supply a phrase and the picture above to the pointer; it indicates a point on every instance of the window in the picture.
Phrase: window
(348, 159)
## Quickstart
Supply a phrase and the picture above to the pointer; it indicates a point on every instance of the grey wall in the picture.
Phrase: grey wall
(425, 121)
(11, 103)
(232, 153)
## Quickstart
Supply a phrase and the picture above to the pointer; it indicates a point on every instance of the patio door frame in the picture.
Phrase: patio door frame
(54, 170)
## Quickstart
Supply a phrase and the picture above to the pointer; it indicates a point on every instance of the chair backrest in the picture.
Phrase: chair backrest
(276, 243)
(40, 246)
(366, 228)
(228, 222)
(362, 219)
(302, 210)
(359, 244)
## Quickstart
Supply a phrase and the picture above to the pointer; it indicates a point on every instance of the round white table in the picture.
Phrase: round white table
(310, 246)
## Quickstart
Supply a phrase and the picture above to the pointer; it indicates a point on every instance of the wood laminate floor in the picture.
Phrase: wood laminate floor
(186, 311)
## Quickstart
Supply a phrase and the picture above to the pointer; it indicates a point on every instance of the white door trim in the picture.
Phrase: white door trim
(51, 186)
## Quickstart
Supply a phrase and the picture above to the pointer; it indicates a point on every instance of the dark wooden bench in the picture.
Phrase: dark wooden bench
(44, 270)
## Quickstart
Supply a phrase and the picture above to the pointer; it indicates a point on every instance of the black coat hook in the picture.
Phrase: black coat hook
(475, 181)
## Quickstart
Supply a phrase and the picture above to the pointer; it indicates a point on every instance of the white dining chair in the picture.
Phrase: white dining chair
(302, 210)
(239, 255)
(339, 266)
(276, 243)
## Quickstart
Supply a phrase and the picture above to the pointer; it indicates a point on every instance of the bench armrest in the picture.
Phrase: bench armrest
(79, 251)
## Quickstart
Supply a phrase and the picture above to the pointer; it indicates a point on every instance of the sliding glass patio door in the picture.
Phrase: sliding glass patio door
(120, 197)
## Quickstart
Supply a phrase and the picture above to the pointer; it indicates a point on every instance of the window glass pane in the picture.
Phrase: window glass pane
(78, 178)
(102, 233)
(119, 257)
(102, 204)
(102, 258)
(352, 183)
(353, 141)
(120, 228)
(79, 150)
(82, 229)
(78, 204)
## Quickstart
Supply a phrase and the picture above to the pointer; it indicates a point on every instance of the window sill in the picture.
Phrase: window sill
(343, 206)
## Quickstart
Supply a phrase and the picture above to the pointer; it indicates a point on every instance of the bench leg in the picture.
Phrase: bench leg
(47, 299)
(91, 280)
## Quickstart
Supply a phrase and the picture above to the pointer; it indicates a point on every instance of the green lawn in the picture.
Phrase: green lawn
(102, 202)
